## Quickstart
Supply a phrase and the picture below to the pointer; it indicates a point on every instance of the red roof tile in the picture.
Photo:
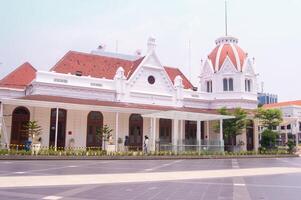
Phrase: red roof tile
(212, 55)
(94, 65)
(227, 50)
(282, 104)
(173, 72)
(20, 77)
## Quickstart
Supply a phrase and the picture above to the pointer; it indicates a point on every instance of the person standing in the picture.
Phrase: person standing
(145, 145)
(126, 143)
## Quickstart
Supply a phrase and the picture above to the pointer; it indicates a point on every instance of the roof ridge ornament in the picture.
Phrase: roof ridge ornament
(151, 44)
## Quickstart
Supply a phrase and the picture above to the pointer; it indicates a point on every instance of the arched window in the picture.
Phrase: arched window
(94, 125)
(228, 84)
(248, 85)
(135, 132)
(20, 118)
(225, 84)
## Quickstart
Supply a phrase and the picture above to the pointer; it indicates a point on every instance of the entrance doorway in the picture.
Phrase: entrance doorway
(190, 135)
(20, 118)
(135, 132)
(165, 134)
(94, 124)
(61, 133)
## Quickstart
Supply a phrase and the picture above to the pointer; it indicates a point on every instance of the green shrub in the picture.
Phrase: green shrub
(268, 139)
(291, 146)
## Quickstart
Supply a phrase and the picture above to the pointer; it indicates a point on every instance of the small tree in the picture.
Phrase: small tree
(233, 127)
(268, 139)
(33, 130)
(269, 118)
(104, 133)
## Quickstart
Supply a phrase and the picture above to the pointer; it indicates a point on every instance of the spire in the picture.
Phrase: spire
(226, 18)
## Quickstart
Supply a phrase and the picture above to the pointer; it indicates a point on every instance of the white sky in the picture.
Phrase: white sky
(41, 32)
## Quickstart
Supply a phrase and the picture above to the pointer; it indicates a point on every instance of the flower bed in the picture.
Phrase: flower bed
(98, 153)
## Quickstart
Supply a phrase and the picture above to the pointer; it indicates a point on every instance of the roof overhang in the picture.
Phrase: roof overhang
(191, 116)
(156, 111)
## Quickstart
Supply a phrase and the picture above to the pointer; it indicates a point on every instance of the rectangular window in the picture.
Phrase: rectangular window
(209, 86)
(225, 84)
(230, 84)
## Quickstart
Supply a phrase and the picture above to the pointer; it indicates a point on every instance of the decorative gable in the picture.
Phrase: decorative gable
(228, 67)
(151, 77)
(207, 69)
(248, 68)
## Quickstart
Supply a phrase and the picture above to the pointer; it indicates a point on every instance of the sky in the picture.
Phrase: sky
(41, 32)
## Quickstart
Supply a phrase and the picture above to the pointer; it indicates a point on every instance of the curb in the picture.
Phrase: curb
(28, 157)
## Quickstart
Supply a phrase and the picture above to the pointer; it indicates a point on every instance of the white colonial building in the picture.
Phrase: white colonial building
(134, 95)
(290, 127)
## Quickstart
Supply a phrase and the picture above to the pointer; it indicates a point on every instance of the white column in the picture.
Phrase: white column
(116, 130)
(297, 134)
(198, 134)
(1, 120)
(56, 127)
(181, 134)
(175, 134)
(153, 146)
(221, 132)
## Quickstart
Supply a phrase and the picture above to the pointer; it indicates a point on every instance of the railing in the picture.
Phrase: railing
(191, 145)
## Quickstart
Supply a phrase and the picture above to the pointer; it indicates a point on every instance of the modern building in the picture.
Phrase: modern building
(135, 95)
(290, 128)
(266, 98)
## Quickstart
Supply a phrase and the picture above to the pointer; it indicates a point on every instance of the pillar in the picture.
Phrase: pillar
(175, 134)
(198, 134)
(56, 127)
(181, 134)
(153, 146)
(1, 121)
(221, 133)
(116, 131)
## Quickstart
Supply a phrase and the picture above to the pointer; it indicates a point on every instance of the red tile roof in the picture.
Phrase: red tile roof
(105, 67)
(282, 104)
(94, 65)
(227, 50)
(173, 72)
(20, 77)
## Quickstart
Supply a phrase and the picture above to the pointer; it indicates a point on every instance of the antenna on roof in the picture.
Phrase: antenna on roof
(189, 58)
(116, 46)
(226, 18)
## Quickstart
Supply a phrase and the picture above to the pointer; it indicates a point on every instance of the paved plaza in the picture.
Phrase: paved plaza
(220, 179)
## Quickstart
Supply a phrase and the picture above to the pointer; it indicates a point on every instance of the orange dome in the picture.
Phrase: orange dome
(227, 46)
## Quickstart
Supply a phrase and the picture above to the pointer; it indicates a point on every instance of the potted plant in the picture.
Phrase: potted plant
(33, 130)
